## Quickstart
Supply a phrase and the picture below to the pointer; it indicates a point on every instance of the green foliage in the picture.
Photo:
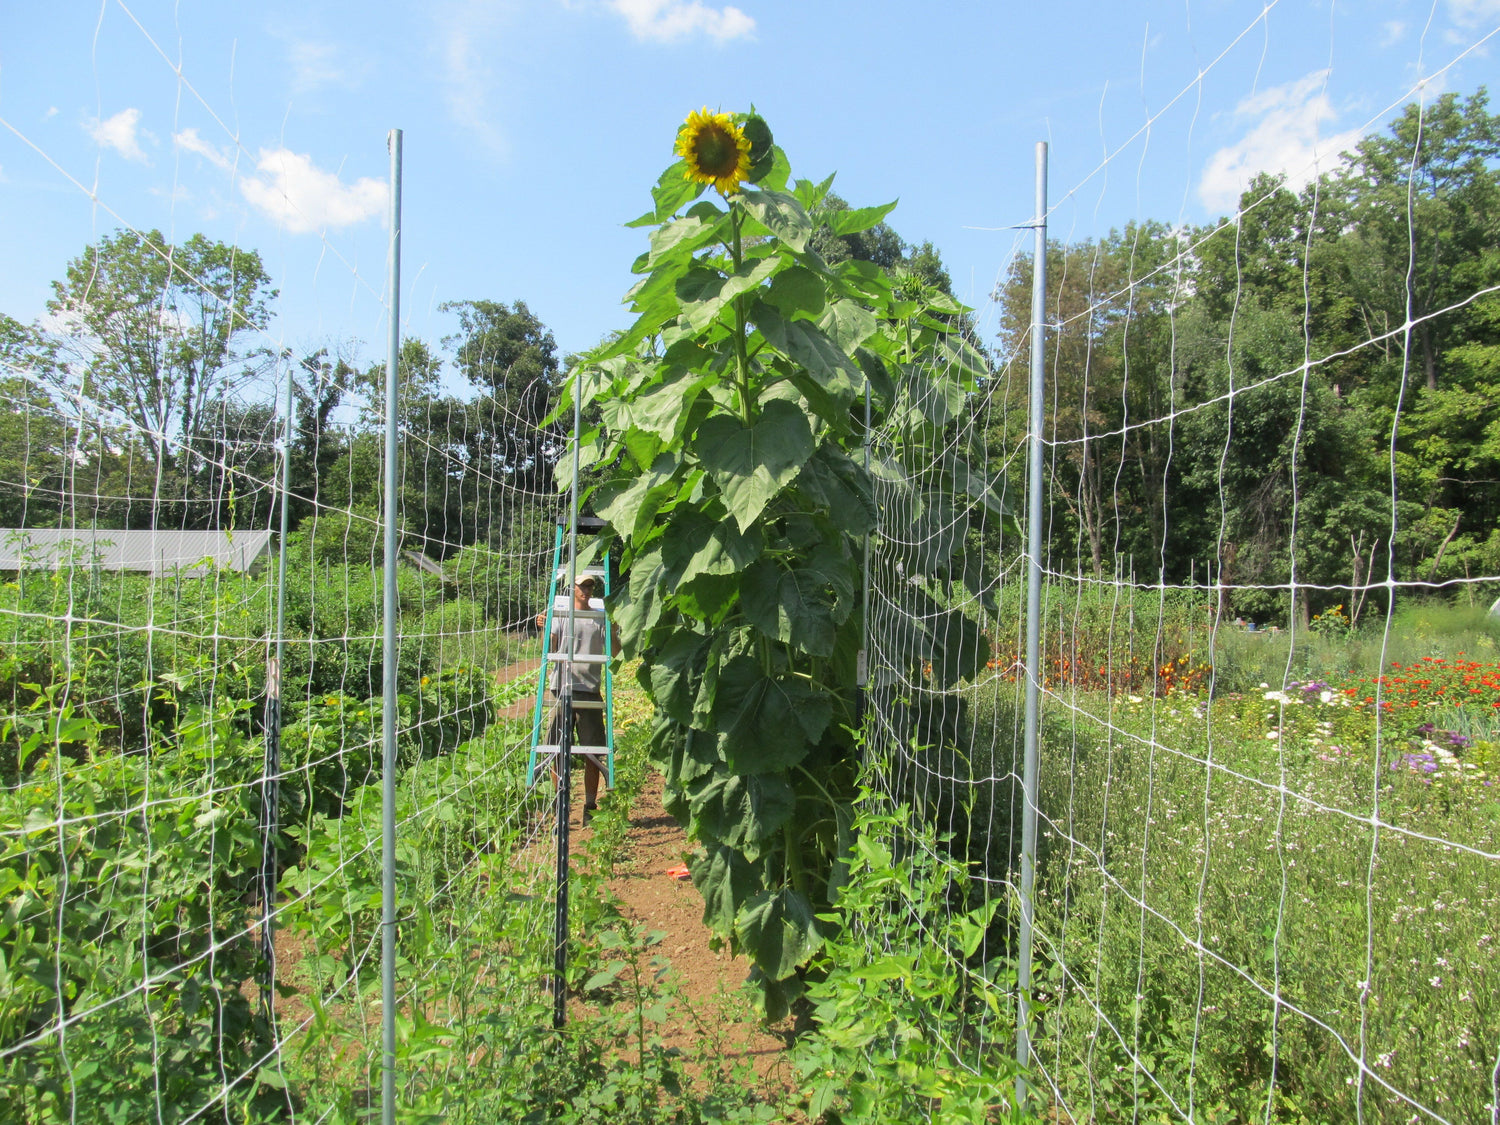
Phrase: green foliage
(127, 922)
(739, 504)
(509, 579)
(913, 1016)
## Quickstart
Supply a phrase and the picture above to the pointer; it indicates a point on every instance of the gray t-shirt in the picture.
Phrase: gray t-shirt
(589, 640)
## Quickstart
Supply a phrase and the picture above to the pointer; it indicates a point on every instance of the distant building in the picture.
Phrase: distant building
(191, 554)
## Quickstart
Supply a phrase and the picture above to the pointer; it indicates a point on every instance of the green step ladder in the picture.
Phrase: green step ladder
(558, 605)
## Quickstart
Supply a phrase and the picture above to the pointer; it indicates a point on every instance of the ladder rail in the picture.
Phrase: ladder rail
(538, 748)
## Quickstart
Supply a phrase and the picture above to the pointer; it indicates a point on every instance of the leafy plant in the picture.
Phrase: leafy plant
(914, 1018)
(738, 499)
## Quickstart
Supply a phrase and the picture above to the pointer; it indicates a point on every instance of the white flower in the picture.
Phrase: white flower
(1276, 696)
(1325, 696)
(1436, 982)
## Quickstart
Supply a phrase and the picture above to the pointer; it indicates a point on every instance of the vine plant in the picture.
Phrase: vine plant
(729, 437)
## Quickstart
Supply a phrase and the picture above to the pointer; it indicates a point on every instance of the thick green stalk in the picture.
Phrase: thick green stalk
(795, 871)
(741, 357)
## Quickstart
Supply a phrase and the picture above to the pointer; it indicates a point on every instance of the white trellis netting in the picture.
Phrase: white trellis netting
(1267, 861)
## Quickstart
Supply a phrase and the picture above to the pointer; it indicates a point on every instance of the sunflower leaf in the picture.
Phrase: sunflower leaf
(795, 290)
(696, 544)
(677, 240)
(796, 606)
(704, 293)
(672, 190)
(858, 219)
(751, 465)
(742, 811)
(766, 722)
(782, 215)
(779, 930)
(726, 880)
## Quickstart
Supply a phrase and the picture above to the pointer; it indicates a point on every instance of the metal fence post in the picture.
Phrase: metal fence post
(388, 699)
(1033, 626)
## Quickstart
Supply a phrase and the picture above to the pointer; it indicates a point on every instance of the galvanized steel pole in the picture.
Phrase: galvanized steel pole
(1029, 779)
(388, 699)
(565, 739)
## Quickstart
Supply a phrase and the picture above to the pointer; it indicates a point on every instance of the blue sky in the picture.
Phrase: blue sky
(535, 128)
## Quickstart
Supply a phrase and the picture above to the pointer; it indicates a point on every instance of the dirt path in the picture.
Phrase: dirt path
(708, 1004)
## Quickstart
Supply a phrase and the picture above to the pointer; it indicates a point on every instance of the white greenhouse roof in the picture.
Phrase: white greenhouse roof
(151, 552)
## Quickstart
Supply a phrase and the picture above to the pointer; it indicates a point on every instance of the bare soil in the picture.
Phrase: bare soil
(711, 1013)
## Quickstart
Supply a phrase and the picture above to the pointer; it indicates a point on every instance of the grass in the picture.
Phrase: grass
(1279, 905)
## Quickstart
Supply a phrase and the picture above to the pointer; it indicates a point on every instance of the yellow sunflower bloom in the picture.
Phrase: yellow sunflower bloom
(716, 150)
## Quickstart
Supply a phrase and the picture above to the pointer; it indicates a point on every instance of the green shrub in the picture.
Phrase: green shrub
(132, 924)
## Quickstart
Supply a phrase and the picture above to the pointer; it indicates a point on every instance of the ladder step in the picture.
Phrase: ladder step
(553, 748)
(560, 611)
(588, 705)
(581, 658)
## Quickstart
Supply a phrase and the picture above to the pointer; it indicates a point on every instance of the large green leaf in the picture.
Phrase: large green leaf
(632, 509)
(962, 361)
(707, 598)
(935, 531)
(964, 647)
(727, 881)
(795, 606)
(743, 812)
(704, 293)
(781, 214)
(976, 483)
(930, 397)
(864, 281)
(779, 931)
(847, 324)
(833, 375)
(695, 544)
(839, 486)
(802, 342)
(751, 465)
(766, 722)
(672, 190)
(795, 290)
(634, 609)
(857, 219)
(673, 673)
(657, 294)
(677, 241)
(660, 410)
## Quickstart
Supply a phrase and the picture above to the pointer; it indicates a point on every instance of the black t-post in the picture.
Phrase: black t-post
(564, 788)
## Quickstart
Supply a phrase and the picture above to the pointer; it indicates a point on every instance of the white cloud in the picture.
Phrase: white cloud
(299, 196)
(470, 38)
(51, 112)
(1392, 32)
(668, 20)
(316, 65)
(1287, 137)
(1473, 13)
(120, 133)
(190, 140)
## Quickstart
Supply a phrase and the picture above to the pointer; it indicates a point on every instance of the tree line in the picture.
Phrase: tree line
(1306, 391)
(1303, 393)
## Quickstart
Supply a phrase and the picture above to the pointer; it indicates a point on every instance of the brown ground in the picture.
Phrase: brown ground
(708, 1002)
(711, 1017)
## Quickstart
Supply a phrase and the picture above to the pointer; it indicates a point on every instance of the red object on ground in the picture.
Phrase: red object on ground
(679, 872)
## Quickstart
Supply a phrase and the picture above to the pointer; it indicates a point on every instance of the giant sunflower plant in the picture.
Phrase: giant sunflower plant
(729, 441)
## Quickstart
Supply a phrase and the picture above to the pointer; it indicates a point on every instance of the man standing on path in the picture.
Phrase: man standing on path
(584, 677)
